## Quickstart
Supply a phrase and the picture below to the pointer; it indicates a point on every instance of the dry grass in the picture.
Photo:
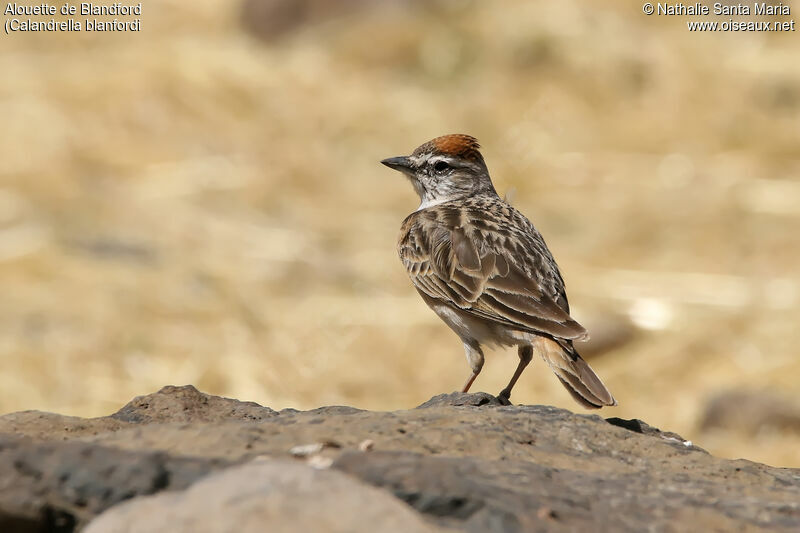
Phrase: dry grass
(192, 205)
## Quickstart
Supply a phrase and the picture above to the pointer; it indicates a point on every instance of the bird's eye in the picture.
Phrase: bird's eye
(440, 166)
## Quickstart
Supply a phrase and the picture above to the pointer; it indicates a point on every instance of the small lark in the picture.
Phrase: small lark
(485, 270)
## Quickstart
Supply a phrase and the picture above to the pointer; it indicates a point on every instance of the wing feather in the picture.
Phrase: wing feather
(465, 251)
(475, 270)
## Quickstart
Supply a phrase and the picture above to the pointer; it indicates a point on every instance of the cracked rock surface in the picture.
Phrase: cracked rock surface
(458, 462)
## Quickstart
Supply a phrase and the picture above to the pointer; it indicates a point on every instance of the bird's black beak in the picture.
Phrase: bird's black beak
(402, 163)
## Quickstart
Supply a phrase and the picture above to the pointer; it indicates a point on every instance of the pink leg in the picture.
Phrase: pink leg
(469, 382)
(475, 360)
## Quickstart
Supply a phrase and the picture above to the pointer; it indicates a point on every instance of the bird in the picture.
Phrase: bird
(486, 271)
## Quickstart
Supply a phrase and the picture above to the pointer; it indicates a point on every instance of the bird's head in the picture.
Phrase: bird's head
(446, 168)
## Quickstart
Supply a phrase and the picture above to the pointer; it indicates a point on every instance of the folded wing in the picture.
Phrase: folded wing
(463, 268)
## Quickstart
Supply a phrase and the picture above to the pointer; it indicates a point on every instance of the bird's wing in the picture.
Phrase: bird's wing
(474, 271)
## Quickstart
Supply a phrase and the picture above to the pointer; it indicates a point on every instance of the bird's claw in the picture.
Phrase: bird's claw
(504, 397)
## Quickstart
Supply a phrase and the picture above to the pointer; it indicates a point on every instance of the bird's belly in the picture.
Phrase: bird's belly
(485, 332)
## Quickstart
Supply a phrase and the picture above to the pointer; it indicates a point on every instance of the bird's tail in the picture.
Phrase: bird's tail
(575, 374)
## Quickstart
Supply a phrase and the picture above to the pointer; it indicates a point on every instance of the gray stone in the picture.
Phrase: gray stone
(478, 495)
(58, 486)
(175, 404)
(463, 399)
(266, 495)
(461, 461)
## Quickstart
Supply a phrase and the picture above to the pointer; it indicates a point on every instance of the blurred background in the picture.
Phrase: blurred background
(201, 202)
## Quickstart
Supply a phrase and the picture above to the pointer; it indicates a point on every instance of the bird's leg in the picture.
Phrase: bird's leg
(525, 356)
(475, 359)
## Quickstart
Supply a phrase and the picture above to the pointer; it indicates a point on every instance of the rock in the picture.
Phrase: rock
(187, 404)
(462, 461)
(749, 412)
(461, 399)
(58, 486)
(270, 495)
(638, 426)
(170, 404)
(445, 425)
(40, 425)
(472, 494)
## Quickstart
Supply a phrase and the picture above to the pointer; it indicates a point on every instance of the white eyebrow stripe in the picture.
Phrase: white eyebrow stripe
(453, 161)
(422, 158)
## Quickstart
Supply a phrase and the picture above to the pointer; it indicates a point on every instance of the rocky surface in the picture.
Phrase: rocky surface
(267, 495)
(58, 486)
(459, 462)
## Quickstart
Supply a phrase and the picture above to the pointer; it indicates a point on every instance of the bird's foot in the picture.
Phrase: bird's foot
(505, 397)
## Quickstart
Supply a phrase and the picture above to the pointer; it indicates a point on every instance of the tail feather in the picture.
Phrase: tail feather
(575, 374)
(580, 397)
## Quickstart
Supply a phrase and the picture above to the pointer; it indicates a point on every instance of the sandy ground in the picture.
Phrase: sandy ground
(194, 204)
